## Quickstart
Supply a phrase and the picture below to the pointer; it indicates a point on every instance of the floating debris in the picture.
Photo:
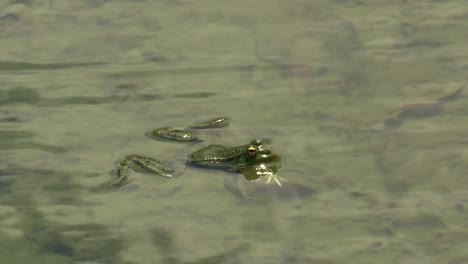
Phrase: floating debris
(420, 110)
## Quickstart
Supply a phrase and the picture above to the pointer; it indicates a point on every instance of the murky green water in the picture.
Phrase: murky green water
(82, 81)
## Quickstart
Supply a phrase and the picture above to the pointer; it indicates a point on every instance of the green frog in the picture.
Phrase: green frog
(253, 160)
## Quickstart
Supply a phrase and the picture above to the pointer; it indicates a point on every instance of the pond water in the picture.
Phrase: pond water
(82, 81)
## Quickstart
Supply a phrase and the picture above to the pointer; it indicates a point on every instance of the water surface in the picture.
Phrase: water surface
(82, 81)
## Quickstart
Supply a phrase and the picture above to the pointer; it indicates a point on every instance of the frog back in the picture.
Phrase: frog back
(216, 156)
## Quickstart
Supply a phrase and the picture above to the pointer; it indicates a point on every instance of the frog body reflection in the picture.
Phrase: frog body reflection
(254, 161)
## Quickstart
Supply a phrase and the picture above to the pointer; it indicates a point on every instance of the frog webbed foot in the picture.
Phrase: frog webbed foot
(262, 171)
(275, 178)
(270, 174)
(146, 163)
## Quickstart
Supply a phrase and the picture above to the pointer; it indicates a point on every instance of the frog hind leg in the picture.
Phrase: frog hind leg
(146, 163)
(217, 122)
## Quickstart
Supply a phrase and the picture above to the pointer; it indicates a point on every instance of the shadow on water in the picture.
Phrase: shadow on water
(32, 97)
(27, 66)
(58, 185)
(226, 257)
(6, 180)
(11, 139)
(45, 241)
(73, 242)
(245, 70)
(164, 242)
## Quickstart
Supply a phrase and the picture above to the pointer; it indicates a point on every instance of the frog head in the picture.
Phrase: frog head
(257, 161)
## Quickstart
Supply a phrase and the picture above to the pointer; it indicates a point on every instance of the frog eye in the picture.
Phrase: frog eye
(257, 142)
(251, 151)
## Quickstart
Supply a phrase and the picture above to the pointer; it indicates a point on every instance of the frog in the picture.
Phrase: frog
(254, 160)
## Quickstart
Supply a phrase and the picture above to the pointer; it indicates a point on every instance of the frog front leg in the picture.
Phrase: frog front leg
(146, 163)
(261, 171)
